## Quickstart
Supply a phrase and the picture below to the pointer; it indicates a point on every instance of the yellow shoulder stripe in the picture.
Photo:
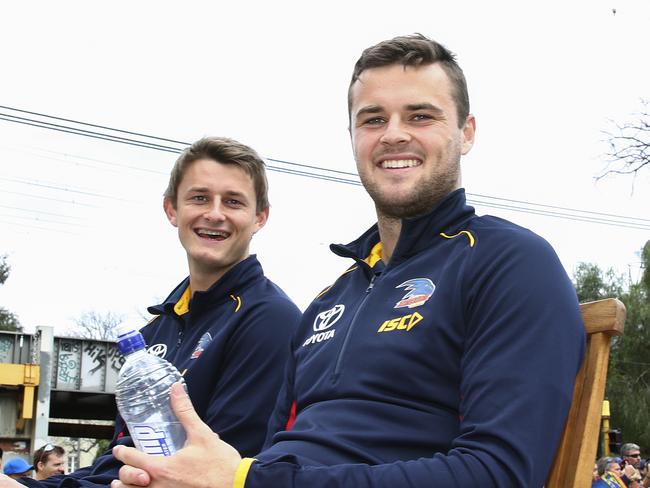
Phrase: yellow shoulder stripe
(329, 287)
(466, 232)
(153, 319)
(238, 300)
(242, 472)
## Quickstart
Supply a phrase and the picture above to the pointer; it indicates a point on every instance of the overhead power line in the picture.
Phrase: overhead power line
(147, 141)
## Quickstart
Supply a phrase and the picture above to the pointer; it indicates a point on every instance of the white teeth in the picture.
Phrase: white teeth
(400, 163)
(212, 233)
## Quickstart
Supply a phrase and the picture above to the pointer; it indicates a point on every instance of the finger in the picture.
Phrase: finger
(134, 476)
(133, 457)
(119, 484)
(6, 481)
(187, 416)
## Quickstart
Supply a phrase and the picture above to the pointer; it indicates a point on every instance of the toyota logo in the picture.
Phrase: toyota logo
(158, 350)
(328, 318)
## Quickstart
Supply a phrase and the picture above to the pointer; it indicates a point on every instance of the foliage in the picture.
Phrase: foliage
(8, 321)
(628, 378)
(594, 284)
(97, 325)
(102, 447)
(4, 269)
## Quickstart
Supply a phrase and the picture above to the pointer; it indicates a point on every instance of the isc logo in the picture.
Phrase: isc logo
(406, 322)
(152, 441)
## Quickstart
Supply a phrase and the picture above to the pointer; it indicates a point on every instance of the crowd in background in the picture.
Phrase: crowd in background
(47, 461)
(629, 470)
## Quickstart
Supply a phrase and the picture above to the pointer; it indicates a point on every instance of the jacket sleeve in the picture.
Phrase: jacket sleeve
(524, 343)
(284, 411)
(252, 374)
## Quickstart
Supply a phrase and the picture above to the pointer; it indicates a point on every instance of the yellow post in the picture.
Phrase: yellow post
(605, 429)
(26, 375)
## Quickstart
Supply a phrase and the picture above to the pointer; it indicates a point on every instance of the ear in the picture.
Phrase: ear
(261, 218)
(170, 211)
(469, 130)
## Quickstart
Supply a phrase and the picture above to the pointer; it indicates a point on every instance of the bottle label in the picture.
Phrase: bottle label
(155, 441)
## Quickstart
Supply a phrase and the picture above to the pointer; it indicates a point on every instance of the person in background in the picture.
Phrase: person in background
(49, 461)
(609, 474)
(631, 454)
(445, 355)
(630, 463)
(17, 468)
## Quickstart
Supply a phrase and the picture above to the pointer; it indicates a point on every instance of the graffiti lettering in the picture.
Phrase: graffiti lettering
(116, 359)
(97, 355)
(68, 367)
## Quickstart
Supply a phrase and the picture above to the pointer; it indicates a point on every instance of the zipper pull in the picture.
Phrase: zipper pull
(371, 284)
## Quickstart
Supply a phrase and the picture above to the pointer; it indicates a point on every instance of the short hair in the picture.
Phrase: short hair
(627, 447)
(224, 151)
(42, 454)
(604, 463)
(415, 50)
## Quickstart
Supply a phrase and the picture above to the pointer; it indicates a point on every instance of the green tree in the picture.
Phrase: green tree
(593, 284)
(628, 378)
(8, 321)
(102, 447)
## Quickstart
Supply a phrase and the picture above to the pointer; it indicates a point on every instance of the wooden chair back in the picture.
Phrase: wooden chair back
(574, 460)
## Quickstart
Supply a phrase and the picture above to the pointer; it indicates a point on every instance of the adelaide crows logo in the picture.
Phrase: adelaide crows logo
(418, 292)
(204, 341)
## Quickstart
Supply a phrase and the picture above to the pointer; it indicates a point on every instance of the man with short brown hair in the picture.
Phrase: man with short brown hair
(226, 326)
(445, 355)
(49, 460)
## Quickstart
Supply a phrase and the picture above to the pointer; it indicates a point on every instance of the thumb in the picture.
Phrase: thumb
(187, 416)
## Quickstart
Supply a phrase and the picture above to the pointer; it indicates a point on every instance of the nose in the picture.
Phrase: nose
(214, 212)
(395, 132)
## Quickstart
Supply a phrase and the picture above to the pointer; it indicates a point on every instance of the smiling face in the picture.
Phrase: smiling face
(216, 218)
(406, 137)
(52, 465)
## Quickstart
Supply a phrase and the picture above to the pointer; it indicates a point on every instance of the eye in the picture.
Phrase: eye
(373, 121)
(421, 117)
(199, 198)
(233, 202)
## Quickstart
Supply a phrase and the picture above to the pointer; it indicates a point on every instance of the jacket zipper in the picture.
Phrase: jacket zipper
(346, 340)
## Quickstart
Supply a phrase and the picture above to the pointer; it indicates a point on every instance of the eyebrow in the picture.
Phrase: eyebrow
(370, 109)
(229, 193)
(235, 193)
(412, 107)
(197, 189)
(424, 106)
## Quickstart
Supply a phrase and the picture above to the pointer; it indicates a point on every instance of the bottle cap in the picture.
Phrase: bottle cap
(129, 339)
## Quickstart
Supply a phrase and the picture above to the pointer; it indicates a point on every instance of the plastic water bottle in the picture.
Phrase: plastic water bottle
(142, 396)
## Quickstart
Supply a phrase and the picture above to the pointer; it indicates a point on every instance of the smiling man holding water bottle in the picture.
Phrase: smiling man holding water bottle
(226, 327)
(445, 354)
